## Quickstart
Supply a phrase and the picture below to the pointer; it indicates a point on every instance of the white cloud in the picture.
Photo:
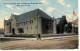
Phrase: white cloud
(61, 2)
(0, 0)
(2, 12)
(18, 8)
(7, 17)
(9, 6)
(43, 1)
(3, 15)
(70, 17)
(50, 9)
(68, 5)
(21, 8)
(40, 8)
(16, 13)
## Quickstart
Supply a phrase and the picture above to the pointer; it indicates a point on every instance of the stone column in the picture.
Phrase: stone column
(54, 26)
(39, 24)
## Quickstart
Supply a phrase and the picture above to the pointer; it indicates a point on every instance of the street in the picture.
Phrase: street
(60, 42)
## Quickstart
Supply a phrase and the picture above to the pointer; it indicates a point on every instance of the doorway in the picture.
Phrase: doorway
(13, 31)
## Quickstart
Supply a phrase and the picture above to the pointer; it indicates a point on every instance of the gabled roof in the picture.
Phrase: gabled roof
(30, 15)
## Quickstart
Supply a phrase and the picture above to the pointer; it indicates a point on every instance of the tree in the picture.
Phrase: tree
(61, 24)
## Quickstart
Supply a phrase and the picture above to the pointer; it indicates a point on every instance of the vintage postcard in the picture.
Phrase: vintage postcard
(38, 24)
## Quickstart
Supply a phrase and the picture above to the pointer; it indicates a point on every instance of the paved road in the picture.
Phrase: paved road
(60, 42)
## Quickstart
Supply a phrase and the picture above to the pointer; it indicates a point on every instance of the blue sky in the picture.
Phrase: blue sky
(54, 8)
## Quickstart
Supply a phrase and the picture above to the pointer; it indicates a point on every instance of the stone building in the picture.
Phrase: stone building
(75, 26)
(32, 22)
(72, 27)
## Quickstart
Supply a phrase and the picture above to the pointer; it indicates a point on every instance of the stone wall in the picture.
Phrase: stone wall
(33, 28)
(14, 24)
(30, 28)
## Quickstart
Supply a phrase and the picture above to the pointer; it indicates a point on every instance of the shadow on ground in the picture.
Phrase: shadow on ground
(8, 39)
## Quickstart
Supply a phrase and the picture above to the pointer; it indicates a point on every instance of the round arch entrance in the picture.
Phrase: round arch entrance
(13, 31)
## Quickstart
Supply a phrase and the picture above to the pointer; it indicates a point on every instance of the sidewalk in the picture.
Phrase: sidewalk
(42, 38)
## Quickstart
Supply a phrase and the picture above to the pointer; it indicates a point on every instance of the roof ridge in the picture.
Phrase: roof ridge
(31, 14)
(30, 11)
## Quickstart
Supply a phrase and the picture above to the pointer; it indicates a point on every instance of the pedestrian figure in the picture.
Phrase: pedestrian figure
(38, 37)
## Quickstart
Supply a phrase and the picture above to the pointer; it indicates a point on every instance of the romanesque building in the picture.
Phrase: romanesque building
(32, 22)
